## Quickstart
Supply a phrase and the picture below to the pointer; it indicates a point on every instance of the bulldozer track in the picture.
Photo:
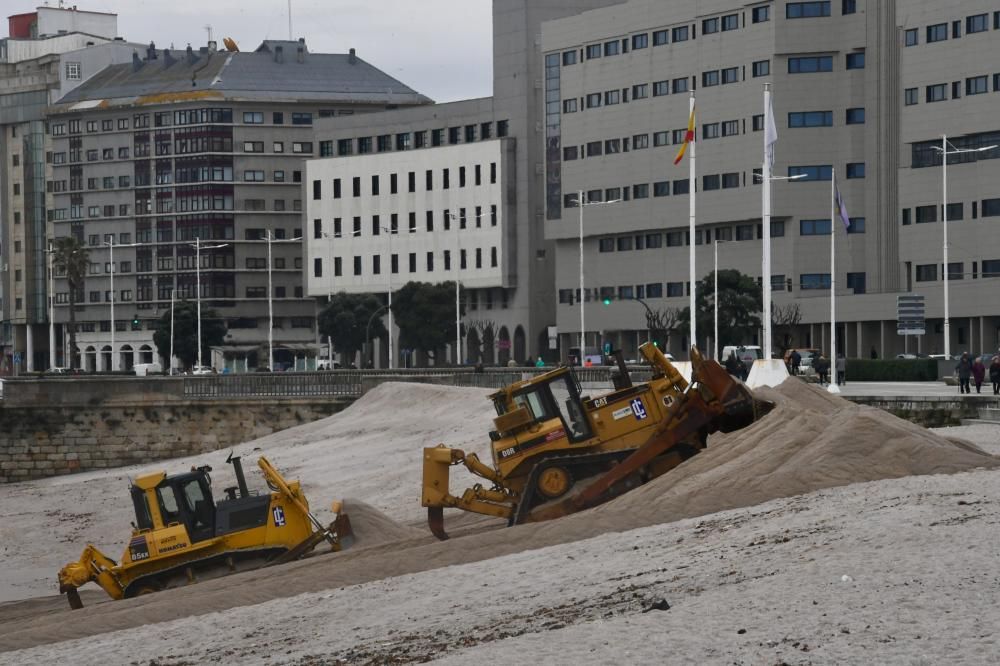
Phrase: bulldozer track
(528, 502)
(160, 580)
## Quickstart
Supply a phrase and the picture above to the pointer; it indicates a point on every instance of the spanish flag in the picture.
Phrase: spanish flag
(688, 138)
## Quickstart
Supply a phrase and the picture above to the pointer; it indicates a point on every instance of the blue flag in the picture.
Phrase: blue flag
(842, 209)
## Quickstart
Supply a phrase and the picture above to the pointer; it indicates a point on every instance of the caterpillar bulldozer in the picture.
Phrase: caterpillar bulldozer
(181, 535)
(556, 452)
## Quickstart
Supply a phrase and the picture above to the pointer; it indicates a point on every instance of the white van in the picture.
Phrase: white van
(143, 369)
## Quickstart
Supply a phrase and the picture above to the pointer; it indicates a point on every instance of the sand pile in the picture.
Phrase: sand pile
(811, 441)
(371, 527)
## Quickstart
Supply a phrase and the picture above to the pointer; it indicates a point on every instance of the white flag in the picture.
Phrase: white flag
(770, 134)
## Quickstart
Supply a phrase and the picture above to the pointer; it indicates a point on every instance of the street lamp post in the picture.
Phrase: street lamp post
(52, 319)
(581, 203)
(111, 257)
(197, 266)
(715, 295)
(944, 196)
(270, 306)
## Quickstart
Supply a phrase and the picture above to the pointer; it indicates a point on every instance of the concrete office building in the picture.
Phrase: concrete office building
(46, 54)
(865, 88)
(509, 308)
(199, 153)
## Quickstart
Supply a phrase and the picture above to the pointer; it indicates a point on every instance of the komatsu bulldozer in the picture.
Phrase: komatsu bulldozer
(180, 535)
(556, 451)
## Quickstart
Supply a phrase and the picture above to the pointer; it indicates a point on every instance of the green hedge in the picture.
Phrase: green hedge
(892, 370)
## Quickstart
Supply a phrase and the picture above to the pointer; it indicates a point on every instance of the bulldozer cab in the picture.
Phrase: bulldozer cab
(184, 499)
(554, 395)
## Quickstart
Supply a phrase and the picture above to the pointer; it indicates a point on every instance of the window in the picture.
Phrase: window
(956, 29)
(810, 119)
(612, 146)
(762, 68)
(761, 14)
(593, 100)
(640, 41)
(364, 145)
(731, 75)
(680, 85)
(302, 119)
(824, 172)
(710, 182)
(73, 71)
(661, 88)
(814, 281)
(912, 37)
(990, 208)
(612, 97)
(856, 60)
(991, 268)
(814, 227)
(856, 116)
(302, 146)
(624, 243)
(661, 188)
(710, 25)
(976, 85)
(856, 282)
(253, 117)
(710, 131)
(848, 6)
(926, 214)
(955, 211)
(730, 22)
(606, 245)
(661, 37)
(640, 191)
(654, 241)
(569, 105)
(253, 146)
(640, 142)
(675, 289)
(681, 186)
(612, 48)
(937, 93)
(937, 32)
(956, 89)
(679, 34)
(794, 10)
(910, 96)
(318, 267)
(594, 149)
(855, 169)
(977, 23)
(710, 78)
(730, 180)
(570, 153)
(744, 232)
(926, 272)
(857, 225)
(593, 51)
(569, 58)
(757, 122)
(661, 139)
(810, 64)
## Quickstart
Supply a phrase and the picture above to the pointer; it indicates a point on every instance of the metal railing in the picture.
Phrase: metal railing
(349, 382)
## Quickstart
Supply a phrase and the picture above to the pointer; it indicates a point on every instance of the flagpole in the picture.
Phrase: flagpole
(692, 187)
(833, 387)
(766, 219)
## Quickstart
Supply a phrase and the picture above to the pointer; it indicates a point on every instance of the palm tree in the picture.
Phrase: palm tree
(71, 258)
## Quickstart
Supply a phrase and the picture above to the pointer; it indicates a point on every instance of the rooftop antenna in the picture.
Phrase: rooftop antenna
(208, 28)
(289, 20)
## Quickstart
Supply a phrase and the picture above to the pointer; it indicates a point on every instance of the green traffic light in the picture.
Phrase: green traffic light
(607, 301)
(655, 343)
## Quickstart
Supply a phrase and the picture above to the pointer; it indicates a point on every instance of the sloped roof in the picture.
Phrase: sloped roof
(261, 74)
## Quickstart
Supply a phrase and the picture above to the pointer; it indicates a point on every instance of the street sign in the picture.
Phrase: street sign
(910, 315)
(17, 358)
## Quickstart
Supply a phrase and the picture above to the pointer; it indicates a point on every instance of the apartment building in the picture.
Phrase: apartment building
(509, 265)
(46, 54)
(860, 89)
(175, 169)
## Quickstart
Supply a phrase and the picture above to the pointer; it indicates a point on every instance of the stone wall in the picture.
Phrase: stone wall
(929, 411)
(38, 442)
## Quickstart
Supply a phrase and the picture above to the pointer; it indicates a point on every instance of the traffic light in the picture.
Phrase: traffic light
(655, 343)
(135, 322)
(607, 300)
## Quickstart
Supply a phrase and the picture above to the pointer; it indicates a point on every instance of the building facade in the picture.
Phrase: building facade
(855, 89)
(510, 315)
(176, 169)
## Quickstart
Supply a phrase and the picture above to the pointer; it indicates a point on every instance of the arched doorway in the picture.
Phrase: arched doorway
(503, 346)
(146, 354)
(489, 346)
(473, 353)
(126, 358)
(543, 346)
(89, 359)
(105, 358)
(520, 351)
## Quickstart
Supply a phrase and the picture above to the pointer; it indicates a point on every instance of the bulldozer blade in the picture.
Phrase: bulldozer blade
(345, 533)
(435, 520)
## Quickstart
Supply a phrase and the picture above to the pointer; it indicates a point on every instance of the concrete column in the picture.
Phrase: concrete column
(881, 339)
(860, 347)
(29, 354)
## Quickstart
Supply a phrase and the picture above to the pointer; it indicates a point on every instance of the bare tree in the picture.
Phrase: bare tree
(785, 319)
(661, 323)
(484, 328)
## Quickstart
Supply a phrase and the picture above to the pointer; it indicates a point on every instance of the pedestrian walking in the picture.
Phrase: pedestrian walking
(995, 374)
(841, 369)
(964, 369)
(796, 360)
(978, 373)
(733, 365)
(822, 365)
(874, 354)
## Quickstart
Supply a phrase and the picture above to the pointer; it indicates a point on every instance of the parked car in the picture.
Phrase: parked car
(201, 370)
(806, 360)
(143, 369)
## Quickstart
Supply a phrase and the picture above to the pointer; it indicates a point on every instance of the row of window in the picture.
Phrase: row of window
(956, 270)
(956, 212)
(642, 40)
(938, 92)
(465, 217)
(970, 147)
(411, 182)
(141, 120)
(384, 143)
(939, 31)
(476, 254)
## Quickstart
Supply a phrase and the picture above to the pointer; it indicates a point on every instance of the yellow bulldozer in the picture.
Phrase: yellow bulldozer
(556, 451)
(181, 535)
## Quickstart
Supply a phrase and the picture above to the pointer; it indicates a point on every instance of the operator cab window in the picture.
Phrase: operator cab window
(567, 400)
(198, 506)
(533, 403)
(168, 505)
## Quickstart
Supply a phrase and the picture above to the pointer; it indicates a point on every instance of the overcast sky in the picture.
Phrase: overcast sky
(441, 48)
